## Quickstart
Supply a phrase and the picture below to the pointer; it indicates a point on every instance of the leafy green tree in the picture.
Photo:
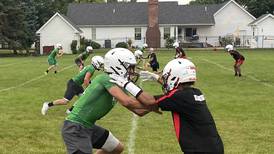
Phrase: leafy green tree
(255, 7)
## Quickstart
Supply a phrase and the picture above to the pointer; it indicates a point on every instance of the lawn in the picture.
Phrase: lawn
(243, 108)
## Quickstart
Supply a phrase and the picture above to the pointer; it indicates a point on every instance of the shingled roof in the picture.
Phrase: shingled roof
(122, 14)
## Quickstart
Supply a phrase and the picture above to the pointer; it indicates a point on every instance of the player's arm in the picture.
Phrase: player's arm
(128, 102)
(144, 97)
(87, 79)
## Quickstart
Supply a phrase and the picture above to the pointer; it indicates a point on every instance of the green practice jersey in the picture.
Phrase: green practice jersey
(84, 55)
(79, 78)
(53, 53)
(95, 102)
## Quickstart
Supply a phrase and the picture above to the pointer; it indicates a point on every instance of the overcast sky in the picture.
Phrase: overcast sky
(180, 1)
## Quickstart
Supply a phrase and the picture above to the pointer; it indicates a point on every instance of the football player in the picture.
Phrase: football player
(239, 59)
(52, 58)
(79, 61)
(74, 85)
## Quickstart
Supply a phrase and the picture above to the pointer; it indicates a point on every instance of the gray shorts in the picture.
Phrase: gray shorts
(77, 137)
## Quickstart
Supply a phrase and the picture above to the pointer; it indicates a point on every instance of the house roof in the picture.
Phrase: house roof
(261, 18)
(65, 19)
(137, 13)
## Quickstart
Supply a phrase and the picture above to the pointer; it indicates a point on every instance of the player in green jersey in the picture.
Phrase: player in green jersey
(51, 58)
(82, 57)
(80, 132)
(74, 85)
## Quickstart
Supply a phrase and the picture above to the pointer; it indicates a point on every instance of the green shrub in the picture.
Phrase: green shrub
(121, 45)
(169, 42)
(73, 46)
(95, 45)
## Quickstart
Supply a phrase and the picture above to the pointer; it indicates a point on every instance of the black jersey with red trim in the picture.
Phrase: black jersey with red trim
(193, 122)
(236, 55)
(180, 53)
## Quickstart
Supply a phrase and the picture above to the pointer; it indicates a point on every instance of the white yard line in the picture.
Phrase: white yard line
(248, 76)
(132, 134)
(9, 64)
(31, 80)
(134, 126)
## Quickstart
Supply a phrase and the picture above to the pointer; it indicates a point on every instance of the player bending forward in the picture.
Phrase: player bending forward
(79, 61)
(239, 59)
(80, 132)
(74, 85)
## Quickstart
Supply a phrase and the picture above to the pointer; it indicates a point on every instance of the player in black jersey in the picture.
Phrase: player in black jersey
(194, 125)
(180, 53)
(239, 59)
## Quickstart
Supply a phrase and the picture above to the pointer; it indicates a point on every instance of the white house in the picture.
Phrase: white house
(110, 23)
(58, 29)
(263, 31)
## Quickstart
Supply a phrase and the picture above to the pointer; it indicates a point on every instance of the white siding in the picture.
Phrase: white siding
(57, 31)
(230, 20)
(115, 34)
(265, 33)
(87, 32)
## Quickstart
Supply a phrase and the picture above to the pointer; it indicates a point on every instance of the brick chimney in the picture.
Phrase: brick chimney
(153, 32)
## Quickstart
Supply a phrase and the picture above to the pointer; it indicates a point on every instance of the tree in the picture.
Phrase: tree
(13, 24)
(255, 7)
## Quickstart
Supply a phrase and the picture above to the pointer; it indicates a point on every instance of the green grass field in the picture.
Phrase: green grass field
(243, 108)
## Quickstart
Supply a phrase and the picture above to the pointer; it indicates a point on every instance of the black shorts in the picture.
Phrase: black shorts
(154, 66)
(77, 137)
(72, 90)
(78, 62)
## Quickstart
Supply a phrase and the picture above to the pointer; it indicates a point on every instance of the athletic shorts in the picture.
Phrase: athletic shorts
(154, 66)
(78, 62)
(77, 137)
(239, 62)
(52, 61)
(72, 90)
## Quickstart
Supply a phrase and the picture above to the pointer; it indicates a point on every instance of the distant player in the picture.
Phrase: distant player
(180, 53)
(80, 133)
(74, 85)
(239, 59)
(194, 125)
(52, 58)
(82, 57)
(153, 62)
(143, 48)
(140, 59)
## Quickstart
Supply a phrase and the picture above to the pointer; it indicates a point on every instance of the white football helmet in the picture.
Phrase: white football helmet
(120, 61)
(229, 47)
(89, 49)
(138, 54)
(178, 71)
(97, 62)
(59, 46)
(145, 45)
(175, 45)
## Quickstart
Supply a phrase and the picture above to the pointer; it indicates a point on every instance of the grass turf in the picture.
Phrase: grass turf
(243, 108)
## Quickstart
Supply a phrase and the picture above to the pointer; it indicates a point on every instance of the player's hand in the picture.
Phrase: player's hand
(148, 75)
(120, 81)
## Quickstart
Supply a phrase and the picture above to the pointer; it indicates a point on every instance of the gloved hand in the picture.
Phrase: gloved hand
(148, 75)
(124, 83)
(120, 81)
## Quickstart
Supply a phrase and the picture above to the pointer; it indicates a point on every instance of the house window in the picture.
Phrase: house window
(166, 32)
(190, 32)
(138, 34)
(93, 33)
